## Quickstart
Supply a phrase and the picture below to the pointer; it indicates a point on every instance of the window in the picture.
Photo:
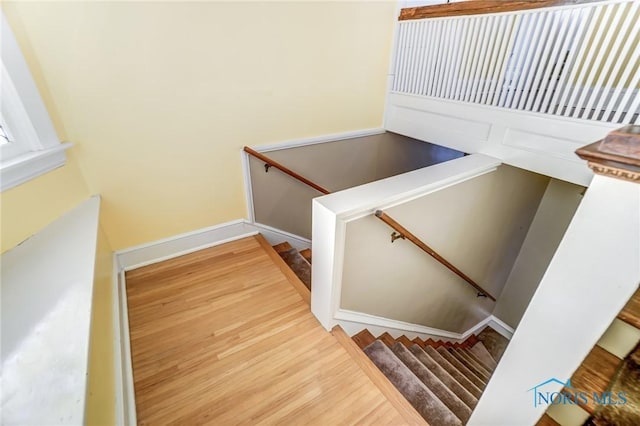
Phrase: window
(29, 145)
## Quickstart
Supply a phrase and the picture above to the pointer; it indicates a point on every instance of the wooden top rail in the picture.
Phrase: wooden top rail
(283, 169)
(431, 252)
(479, 7)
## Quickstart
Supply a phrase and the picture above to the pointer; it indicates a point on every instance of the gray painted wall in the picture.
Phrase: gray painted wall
(478, 225)
(284, 203)
(559, 204)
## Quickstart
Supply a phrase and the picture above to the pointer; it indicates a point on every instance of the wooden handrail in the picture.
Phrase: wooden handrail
(431, 252)
(480, 7)
(283, 169)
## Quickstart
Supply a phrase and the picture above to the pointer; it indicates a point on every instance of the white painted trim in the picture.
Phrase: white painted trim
(129, 401)
(178, 245)
(248, 187)
(275, 236)
(118, 367)
(368, 320)
(396, 328)
(295, 143)
(30, 165)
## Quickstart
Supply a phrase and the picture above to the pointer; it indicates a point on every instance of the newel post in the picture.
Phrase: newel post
(617, 155)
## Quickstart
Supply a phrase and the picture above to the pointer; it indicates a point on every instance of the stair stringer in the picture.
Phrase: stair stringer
(353, 322)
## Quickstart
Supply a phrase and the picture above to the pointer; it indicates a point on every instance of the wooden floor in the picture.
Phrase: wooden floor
(222, 337)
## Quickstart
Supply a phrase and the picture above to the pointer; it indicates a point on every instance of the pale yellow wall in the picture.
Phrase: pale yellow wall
(160, 97)
(100, 409)
(28, 208)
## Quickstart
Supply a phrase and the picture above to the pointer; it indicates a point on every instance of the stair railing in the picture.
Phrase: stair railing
(269, 162)
(404, 233)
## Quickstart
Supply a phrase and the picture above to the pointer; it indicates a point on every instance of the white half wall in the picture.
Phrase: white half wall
(47, 290)
(592, 275)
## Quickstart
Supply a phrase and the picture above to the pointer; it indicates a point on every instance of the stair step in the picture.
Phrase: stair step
(363, 339)
(474, 389)
(439, 389)
(447, 379)
(494, 342)
(306, 253)
(387, 339)
(463, 368)
(298, 264)
(483, 355)
(475, 359)
(631, 311)
(424, 401)
(418, 341)
(546, 420)
(480, 371)
(405, 341)
(282, 247)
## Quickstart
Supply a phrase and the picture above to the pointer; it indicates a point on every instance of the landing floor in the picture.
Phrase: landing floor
(222, 337)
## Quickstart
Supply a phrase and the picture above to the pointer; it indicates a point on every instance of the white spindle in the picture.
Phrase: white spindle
(476, 53)
(582, 108)
(486, 57)
(458, 25)
(430, 31)
(471, 26)
(578, 42)
(449, 61)
(629, 92)
(617, 100)
(522, 41)
(421, 73)
(497, 96)
(544, 62)
(616, 58)
(557, 58)
(495, 60)
(527, 70)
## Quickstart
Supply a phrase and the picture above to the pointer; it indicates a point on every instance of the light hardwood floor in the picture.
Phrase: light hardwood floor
(222, 337)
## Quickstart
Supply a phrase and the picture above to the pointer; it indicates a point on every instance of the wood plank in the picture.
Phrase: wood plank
(546, 420)
(230, 341)
(403, 406)
(306, 253)
(405, 341)
(480, 7)
(418, 341)
(594, 374)
(279, 248)
(387, 339)
(631, 311)
(363, 339)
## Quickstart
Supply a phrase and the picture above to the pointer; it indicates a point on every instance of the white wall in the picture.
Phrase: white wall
(47, 286)
(558, 205)
(592, 275)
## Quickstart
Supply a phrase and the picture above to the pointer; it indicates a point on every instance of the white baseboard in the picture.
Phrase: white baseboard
(275, 236)
(353, 322)
(318, 139)
(119, 388)
(178, 245)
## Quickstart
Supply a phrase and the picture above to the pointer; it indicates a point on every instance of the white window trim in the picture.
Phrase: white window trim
(35, 148)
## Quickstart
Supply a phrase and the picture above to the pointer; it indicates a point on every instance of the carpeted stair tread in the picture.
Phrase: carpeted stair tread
(463, 368)
(447, 379)
(444, 394)
(478, 361)
(483, 354)
(470, 365)
(482, 372)
(306, 253)
(298, 264)
(363, 339)
(433, 410)
(494, 342)
(474, 389)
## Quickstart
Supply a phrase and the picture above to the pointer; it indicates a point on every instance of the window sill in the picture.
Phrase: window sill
(18, 170)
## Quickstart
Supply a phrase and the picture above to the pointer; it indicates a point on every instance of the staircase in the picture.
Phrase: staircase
(442, 380)
(298, 261)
